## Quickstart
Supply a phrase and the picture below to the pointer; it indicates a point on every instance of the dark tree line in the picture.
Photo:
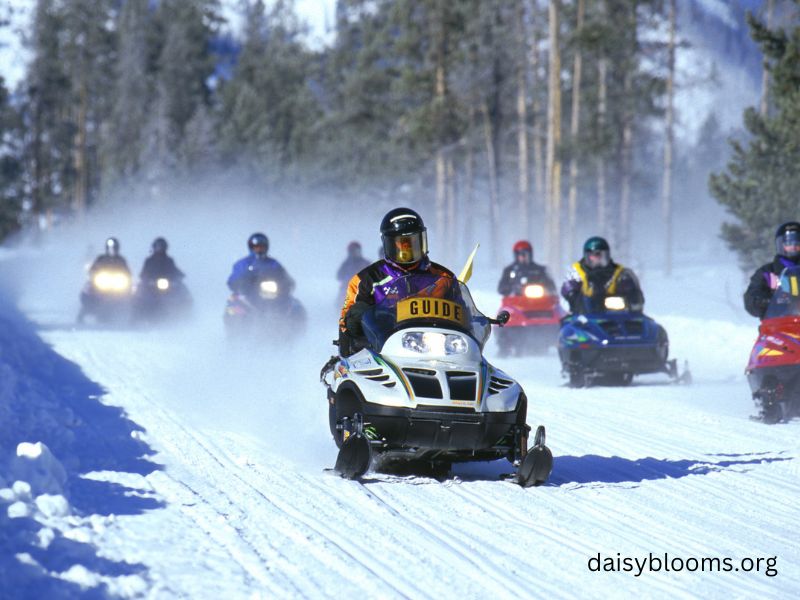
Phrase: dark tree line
(489, 111)
(761, 184)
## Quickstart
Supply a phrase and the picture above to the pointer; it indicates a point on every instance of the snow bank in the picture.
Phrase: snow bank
(53, 430)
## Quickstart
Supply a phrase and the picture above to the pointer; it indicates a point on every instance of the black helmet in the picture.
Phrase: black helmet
(258, 244)
(404, 237)
(159, 246)
(112, 247)
(596, 252)
(787, 240)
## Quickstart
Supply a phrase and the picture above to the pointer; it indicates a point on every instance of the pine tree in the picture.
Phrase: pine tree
(760, 184)
(133, 91)
(88, 55)
(359, 109)
(11, 182)
(184, 66)
(268, 108)
(48, 145)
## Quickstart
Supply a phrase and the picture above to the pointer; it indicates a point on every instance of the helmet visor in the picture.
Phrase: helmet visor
(406, 249)
(259, 249)
(788, 244)
(523, 256)
(596, 258)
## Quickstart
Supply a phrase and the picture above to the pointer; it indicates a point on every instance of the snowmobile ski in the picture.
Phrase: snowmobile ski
(538, 462)
(355, 455)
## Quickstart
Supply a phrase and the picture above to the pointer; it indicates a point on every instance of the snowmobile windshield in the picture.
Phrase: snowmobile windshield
(785, 301)
(424, 300)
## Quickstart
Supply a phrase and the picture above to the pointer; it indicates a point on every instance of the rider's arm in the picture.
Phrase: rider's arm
(239, 272)
(288, 280)
(571, 288)
(504, 287)
(357, 299)
(350, 298)
(759, 292)
(176, 272)
(630, 288)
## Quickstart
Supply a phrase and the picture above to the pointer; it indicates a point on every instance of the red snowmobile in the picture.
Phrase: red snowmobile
(535, 317)
(774, 367)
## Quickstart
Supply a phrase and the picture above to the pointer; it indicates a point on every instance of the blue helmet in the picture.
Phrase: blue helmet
(258, 244)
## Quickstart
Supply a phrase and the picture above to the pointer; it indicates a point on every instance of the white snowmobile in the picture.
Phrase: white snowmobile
(421, 392)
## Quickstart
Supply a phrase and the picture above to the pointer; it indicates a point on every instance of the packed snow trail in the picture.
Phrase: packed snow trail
(651, 468)
(236, 502)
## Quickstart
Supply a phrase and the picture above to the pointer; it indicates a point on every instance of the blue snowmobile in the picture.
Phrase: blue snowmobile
(609, 343)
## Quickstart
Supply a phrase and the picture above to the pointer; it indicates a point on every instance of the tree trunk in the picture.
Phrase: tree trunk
(80, 162)
(469, 185)
(553, 174)
(764, 106)
(666, 191)
(602, 96)
(452, 213)
(536, 107)
(574, 131)
(440, 91)
(37, 205)
(523, 181)
(626, 162)
(494, 206)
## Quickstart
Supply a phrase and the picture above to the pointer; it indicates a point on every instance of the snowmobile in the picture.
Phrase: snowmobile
(610, 344)
(107, 295)
(534, 322)
(264, 309)
(161, 299)
(773, 370)
(422, 394)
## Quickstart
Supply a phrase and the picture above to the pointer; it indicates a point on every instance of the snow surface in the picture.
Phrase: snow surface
(168, 463)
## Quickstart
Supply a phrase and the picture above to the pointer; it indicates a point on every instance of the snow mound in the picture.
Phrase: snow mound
(54, 430)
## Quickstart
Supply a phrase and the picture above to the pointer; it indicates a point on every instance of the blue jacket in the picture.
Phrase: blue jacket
(250, 269)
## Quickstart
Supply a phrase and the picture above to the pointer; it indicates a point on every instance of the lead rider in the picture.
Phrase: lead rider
(405, 249)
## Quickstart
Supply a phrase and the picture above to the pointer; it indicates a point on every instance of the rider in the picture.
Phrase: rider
(523, 267)
(159, 264)
(765, 280)
(257, 265)
(354, 262)
(111, 260)
(405, 250)
(596, 276)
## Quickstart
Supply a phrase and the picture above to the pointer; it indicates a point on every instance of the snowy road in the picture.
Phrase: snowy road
(232, 498)
(247, 507)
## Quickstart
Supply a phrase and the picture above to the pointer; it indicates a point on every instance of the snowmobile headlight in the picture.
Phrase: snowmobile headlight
(415, 340)
(268, 289)
(534, 290)
(455, 344)
(162, 283)
(112, 281)
(614, 303)
(439, 344)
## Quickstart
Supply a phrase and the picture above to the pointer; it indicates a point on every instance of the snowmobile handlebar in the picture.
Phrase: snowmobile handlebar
(502, 318)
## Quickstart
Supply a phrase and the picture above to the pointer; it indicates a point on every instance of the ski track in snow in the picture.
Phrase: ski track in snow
(249, 510)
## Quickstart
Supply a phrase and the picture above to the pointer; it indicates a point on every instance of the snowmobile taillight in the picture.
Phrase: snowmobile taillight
(534, 290)
(162, 284)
